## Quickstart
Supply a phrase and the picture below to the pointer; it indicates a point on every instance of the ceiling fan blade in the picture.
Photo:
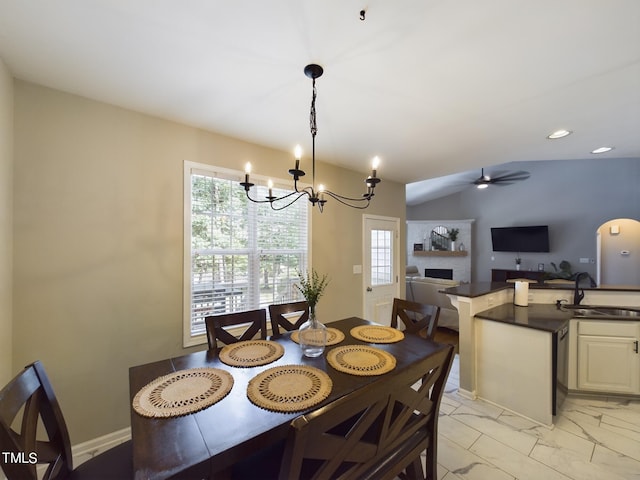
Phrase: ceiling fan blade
(511, 177)
(502, 184)
(497, 173)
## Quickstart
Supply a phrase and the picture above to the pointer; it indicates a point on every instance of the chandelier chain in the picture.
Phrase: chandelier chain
(313, 125)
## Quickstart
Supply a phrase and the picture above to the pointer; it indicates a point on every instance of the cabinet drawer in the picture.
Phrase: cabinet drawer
(609, 328)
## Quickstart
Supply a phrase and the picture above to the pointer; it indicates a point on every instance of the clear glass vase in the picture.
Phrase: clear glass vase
(312, 336)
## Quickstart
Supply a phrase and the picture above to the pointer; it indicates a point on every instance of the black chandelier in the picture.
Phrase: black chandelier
(316, 196)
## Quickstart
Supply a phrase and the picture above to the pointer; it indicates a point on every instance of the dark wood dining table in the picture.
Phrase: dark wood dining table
(206, 443)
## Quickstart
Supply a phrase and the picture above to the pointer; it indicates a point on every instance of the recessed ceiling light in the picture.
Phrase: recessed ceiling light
(602, 150)
(559, 134)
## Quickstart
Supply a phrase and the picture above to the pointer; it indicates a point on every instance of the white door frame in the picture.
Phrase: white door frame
(396, 255)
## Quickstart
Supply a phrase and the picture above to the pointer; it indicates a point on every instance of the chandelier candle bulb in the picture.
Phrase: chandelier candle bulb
(297, 153)
(270, 185)
(247, 184)
(375, 164)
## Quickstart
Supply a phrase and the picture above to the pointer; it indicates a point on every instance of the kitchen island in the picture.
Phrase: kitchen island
(521, 358)
(507, 352)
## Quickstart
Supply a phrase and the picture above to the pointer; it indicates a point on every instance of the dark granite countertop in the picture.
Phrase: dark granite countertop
(539, 316)
(477, 289)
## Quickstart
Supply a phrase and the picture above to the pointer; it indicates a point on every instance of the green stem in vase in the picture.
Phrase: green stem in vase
(312, 287)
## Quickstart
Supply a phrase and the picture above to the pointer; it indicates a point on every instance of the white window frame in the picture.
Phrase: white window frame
(190, 168)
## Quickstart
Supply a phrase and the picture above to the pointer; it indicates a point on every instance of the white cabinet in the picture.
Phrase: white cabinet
(608, 358)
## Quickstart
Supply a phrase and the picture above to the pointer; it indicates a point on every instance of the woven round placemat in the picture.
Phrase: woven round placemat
(182, 392)
(334, 336)
(377, 334)
(361, 360)
(289, 388)
(251, 353)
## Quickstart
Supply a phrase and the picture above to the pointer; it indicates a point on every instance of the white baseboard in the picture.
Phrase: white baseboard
(471, 395)
(89, 449)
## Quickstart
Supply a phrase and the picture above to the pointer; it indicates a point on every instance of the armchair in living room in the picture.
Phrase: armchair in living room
(428, 290)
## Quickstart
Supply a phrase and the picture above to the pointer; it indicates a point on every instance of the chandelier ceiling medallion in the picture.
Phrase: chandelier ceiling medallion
(317, 196)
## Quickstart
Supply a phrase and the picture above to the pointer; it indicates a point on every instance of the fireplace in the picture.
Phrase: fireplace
(445, 273)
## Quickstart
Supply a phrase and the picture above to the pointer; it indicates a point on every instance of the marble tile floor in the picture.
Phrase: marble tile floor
(594, 438)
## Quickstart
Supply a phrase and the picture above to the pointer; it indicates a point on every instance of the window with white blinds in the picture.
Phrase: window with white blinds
(238, 255)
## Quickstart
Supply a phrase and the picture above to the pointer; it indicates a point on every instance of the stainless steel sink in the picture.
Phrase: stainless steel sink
(603, 311)
(585, 312)
(619, 312)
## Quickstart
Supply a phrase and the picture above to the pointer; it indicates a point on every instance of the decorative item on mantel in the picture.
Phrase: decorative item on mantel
(453, 236)
(518, 261)
(439, 239)
(316, 196)
(312, 335)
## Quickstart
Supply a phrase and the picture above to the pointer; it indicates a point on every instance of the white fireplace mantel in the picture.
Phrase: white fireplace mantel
(419, 230)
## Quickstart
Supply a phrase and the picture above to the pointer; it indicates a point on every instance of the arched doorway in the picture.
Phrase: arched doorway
(619, 252)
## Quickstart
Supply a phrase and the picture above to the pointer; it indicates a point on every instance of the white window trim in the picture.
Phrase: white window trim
(192, 167)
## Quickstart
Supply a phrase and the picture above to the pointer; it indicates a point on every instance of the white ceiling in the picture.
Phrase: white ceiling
(433, 87)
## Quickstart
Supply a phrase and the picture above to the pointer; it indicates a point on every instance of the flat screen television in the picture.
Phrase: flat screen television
(520, 239)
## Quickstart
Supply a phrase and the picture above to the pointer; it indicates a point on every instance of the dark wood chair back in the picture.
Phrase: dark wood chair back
(256, 321)
(279, 321)
(30, 396)
(373, 433)
(32, 390)
(417, 318)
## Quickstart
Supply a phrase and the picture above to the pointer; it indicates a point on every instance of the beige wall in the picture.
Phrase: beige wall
(6, 222)
(337, 241)
(98, 243)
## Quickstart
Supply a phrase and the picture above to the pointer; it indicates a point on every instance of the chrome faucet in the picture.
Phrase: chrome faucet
(579, 295)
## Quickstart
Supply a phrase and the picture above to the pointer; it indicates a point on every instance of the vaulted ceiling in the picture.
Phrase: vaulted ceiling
(433, 87)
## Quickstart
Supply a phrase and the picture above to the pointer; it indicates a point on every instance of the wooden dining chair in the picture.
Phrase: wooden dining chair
(280, 312)
(417, 318)
(255, 320)
(30, 396)
(377, 432)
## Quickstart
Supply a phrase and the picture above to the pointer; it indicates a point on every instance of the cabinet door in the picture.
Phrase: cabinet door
(608, 364)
